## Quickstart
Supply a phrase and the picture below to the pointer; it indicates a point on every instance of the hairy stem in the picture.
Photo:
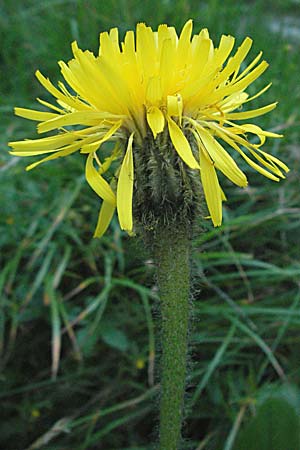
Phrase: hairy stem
(172, 247)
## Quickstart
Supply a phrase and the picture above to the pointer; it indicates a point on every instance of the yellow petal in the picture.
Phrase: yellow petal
(156, 120)
(224, 50)
(181, 144)
(223, 196)
(95, 145)
(128, 46)
(275, 160)
(105, 215)
(248, 68)
(45, 145)
(97, 183)
(232, 102)
(145, 50)
(211, 188)
(72, 102)
(75, 118)
(236, 60)
(232, 66)
(184, 42)
(259, 93)
(96, 80)
(257, 167)
(253, 149)
(230, 139)
(167, 60)
(34, 115)
(46, 83)
(120, 88)
(60, 153)
(251, 113)
(154, 92)
(269, 165)
(105, 165)
(50, 106)
(107, 45)
(255, 129)
(175, 106)
(243, 83)
(222, 159)
(125, 189)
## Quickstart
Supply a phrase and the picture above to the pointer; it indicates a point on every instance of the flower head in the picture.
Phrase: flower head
(176, 98)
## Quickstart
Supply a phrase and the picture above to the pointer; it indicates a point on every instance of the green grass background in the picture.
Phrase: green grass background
(78, 366)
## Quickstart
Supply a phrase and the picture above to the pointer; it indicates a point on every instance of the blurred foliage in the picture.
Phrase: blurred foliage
(78, 360)
(276, 424)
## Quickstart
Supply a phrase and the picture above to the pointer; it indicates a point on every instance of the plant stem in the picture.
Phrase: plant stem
(172, 246)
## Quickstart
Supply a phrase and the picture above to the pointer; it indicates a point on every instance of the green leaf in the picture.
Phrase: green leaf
(275, 427)
(114, 338)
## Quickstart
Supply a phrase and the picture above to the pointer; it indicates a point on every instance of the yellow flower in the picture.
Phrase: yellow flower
(161, 84)
(140, 363)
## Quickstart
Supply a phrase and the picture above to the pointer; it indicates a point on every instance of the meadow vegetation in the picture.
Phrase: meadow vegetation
(78, 336)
